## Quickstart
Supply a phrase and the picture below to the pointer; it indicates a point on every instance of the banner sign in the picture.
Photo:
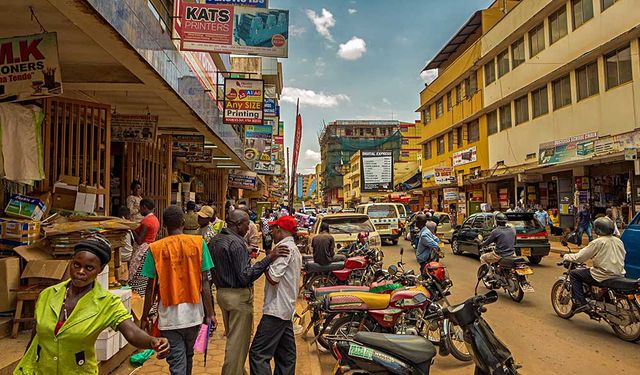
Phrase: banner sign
(266, 167)
(465, 156)
(258, 143)
(258, 131)
(205, 157)
(376, 171)
(29, 67)
(246, 3)
(184, 145)
(297, 138)
(243, 101)
(568, 149)
(445, 175)
(450, 194)
(133, 128)
(270, 107)
(240, 179)
(240, 30)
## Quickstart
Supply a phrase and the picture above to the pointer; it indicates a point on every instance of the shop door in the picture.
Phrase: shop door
(565, 202)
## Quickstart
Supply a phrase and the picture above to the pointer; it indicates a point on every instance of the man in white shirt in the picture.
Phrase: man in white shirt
(274, 338)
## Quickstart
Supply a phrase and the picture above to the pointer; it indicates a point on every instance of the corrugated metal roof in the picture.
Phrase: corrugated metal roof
(460, 38)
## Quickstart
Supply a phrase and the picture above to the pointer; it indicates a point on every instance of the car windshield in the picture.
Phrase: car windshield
(526, 225)
(349, 225)
(383, 211)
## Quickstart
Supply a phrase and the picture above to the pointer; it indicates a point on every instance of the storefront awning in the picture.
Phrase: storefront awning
(411, 171)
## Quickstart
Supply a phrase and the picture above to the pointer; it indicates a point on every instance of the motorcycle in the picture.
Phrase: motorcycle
(616, 301)
(510, 274)
(376, 353)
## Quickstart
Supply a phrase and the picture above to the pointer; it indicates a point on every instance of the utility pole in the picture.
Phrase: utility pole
(288, 170)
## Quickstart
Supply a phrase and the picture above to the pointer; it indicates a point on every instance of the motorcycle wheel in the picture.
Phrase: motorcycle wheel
(487, 284)
(629, 332)
(346, 326)
(455, 343)
(318, 281)
(322, 341)
(515, 290)
(561, 300)
(455, 247)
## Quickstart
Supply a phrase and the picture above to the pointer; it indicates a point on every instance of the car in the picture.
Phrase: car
(532, 240)
(385, 217)
(348, 210)
(445, 229)
(631, 239)
(404, 216)
(344, 227)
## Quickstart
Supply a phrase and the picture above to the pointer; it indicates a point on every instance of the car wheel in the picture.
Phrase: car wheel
(455, 247)
(535, 259)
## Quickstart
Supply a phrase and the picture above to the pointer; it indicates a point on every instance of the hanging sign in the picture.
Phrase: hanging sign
(205, 157)
(257, 142)
(185, 145)
(243, 101)
(450, 194)
(240, 179)
(29, 67)
(133, 128)
(376, 169)
(445, 175)
(270, 107)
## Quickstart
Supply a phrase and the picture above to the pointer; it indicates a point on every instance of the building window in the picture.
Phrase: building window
(492, 122)
(458, 94)
(439, 108)
(426, 149)
(441, 145)
(405, 154)
(426, 115)
(403, 129)
(582, 11)
(505, 117)
(522, 109)
(536, 40)
(348, 132)
(449, 102)
(473, 132)
(587, 80)
(450, 141)
(405, 141)
(503, 63)
(459, 136)
(489, 72)
(558, 25)
(540, 102)
(618, 67)
(517, 52)
(561, 92)
(605, 4)
(361, 132)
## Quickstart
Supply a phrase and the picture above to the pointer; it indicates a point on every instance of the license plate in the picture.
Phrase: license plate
(527, 288)
(382, 226)
(524, 271)
(525, 252)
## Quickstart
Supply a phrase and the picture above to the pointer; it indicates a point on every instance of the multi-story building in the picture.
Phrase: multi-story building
(561, 103)
(304, 186)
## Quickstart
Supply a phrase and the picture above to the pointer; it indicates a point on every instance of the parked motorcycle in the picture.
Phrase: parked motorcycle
(616, 301)
(510, 274)
(355, 270)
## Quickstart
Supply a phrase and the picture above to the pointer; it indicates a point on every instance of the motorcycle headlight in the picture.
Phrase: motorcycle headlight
(375, 242)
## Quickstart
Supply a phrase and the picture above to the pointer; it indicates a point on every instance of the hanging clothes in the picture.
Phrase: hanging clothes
(22, 149)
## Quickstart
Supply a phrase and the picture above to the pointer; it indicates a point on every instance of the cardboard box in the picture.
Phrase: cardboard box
(9, 280)
(45, 272)
(107, 344)
(19, 230)
(65, 191)
(21, 206)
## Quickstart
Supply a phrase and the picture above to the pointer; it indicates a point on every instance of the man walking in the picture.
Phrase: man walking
(180, 263)
(234, 277)
(274, 338)
(584, 224)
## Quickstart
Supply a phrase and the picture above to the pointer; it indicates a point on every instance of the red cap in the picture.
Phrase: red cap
(288, 223)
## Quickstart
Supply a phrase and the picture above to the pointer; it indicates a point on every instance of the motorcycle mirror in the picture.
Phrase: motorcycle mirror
(393, 270)
(480, 238)
(483, 271)
(491, 297)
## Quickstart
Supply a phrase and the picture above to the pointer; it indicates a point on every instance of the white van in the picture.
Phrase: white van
(385, 217)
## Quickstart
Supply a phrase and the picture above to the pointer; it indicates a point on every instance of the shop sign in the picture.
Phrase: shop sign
(185, 145)
(133, 128)
(582, 183)
(465, 156)
(240, 179)
(450, 194)
(29, 67)
(271, 107)
(257, 142)
(445, 175)
(243, 101)
(231, 29)
(246, 3)
(205, 157)
(281, 128)
(376, 171)
(266, 167)
(569, 149)
(630, 154)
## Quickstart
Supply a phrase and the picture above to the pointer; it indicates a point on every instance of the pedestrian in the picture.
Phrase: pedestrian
(133, 201)
(178, 270)
(70, 315)
(554, 222)
(144, 236)
(323, 246)
(584, 224)
(252, 237)
(234, 277)
(191, 224)
(267, 240)
(274, 338)
(512, 208)
(542, 216)
(519, 207)
(616, 231)
(210, 225)
(127, 250)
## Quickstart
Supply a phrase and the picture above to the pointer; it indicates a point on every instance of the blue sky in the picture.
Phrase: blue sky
(360, 59)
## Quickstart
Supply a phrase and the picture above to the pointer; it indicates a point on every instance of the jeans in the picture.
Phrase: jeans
(273, 339)
(581, 231)
(579, 277)
(180, 358)
(237, 314)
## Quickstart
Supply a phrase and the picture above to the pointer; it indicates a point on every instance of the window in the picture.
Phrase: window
(558, 25)
(582, 11)
(405, 141)
(618, 67)
(505, 117)
(427, 150)
(561, 92)
(471, 84)
(426, 114)
(459, 136)
(405, 154)
(449, 103)
(587, 80)
(605, 4)
(492, 122)
(458, 94)
(503, 63)
(439, 108)
(489, 72)
(517, 52)
(403, 129)
(473, 132)
(479, 222)
(522, 109)
(348, 132)
(441, 145)
(540, 102)
(536, 40)
(361, 130)
(450, 141)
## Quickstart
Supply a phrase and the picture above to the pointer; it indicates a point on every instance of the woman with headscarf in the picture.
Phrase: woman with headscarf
(71, 315)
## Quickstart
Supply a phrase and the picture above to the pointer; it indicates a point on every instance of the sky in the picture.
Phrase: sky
(360, 59)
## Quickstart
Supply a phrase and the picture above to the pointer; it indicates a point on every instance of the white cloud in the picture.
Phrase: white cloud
(386, 101)
(311, 156)
(323, 23)
(309, 170)
(295, 30)
(353, 49)
(429, 76)
(312, 98)
(320, 66)
(353, 11)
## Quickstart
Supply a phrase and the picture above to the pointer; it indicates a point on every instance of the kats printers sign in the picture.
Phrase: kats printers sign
(243, 101)
(29, 67)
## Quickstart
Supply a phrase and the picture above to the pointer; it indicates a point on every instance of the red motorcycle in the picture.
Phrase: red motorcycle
(355, 270)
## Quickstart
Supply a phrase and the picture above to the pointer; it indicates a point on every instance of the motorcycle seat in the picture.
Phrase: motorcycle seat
(318, 268)
(512, 261)
(621, 284)
(415, 349)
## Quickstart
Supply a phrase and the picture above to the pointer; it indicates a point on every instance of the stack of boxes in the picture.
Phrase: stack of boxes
(109, 341)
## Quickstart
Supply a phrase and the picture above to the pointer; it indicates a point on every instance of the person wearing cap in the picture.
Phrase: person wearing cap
(274, 338)
(210, 225)
(191, 224)
(71, 315)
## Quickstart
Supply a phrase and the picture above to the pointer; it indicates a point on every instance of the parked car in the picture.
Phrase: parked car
(532, 240)
(385, 217)
(445, 229)
(345, 228)
(631, 239)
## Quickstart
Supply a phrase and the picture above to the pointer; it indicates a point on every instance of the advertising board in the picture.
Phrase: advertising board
(243, 101)
(376, 171)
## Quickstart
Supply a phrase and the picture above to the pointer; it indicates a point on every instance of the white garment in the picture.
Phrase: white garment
(280, 299)
(22, 151)
(127, 250)
(607, 253)
(183, 315)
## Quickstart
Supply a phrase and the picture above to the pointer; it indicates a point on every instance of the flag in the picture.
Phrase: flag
(296, 153)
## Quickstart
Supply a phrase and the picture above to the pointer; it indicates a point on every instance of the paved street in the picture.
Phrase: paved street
(540, 341)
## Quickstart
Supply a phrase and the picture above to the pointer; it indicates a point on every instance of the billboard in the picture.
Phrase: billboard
(376, 171)
(569, 149)
(133, 128)
(444, 175)
(465, 156)
(239, 30)
(246, 3)
(243, 101)
(257, 143)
